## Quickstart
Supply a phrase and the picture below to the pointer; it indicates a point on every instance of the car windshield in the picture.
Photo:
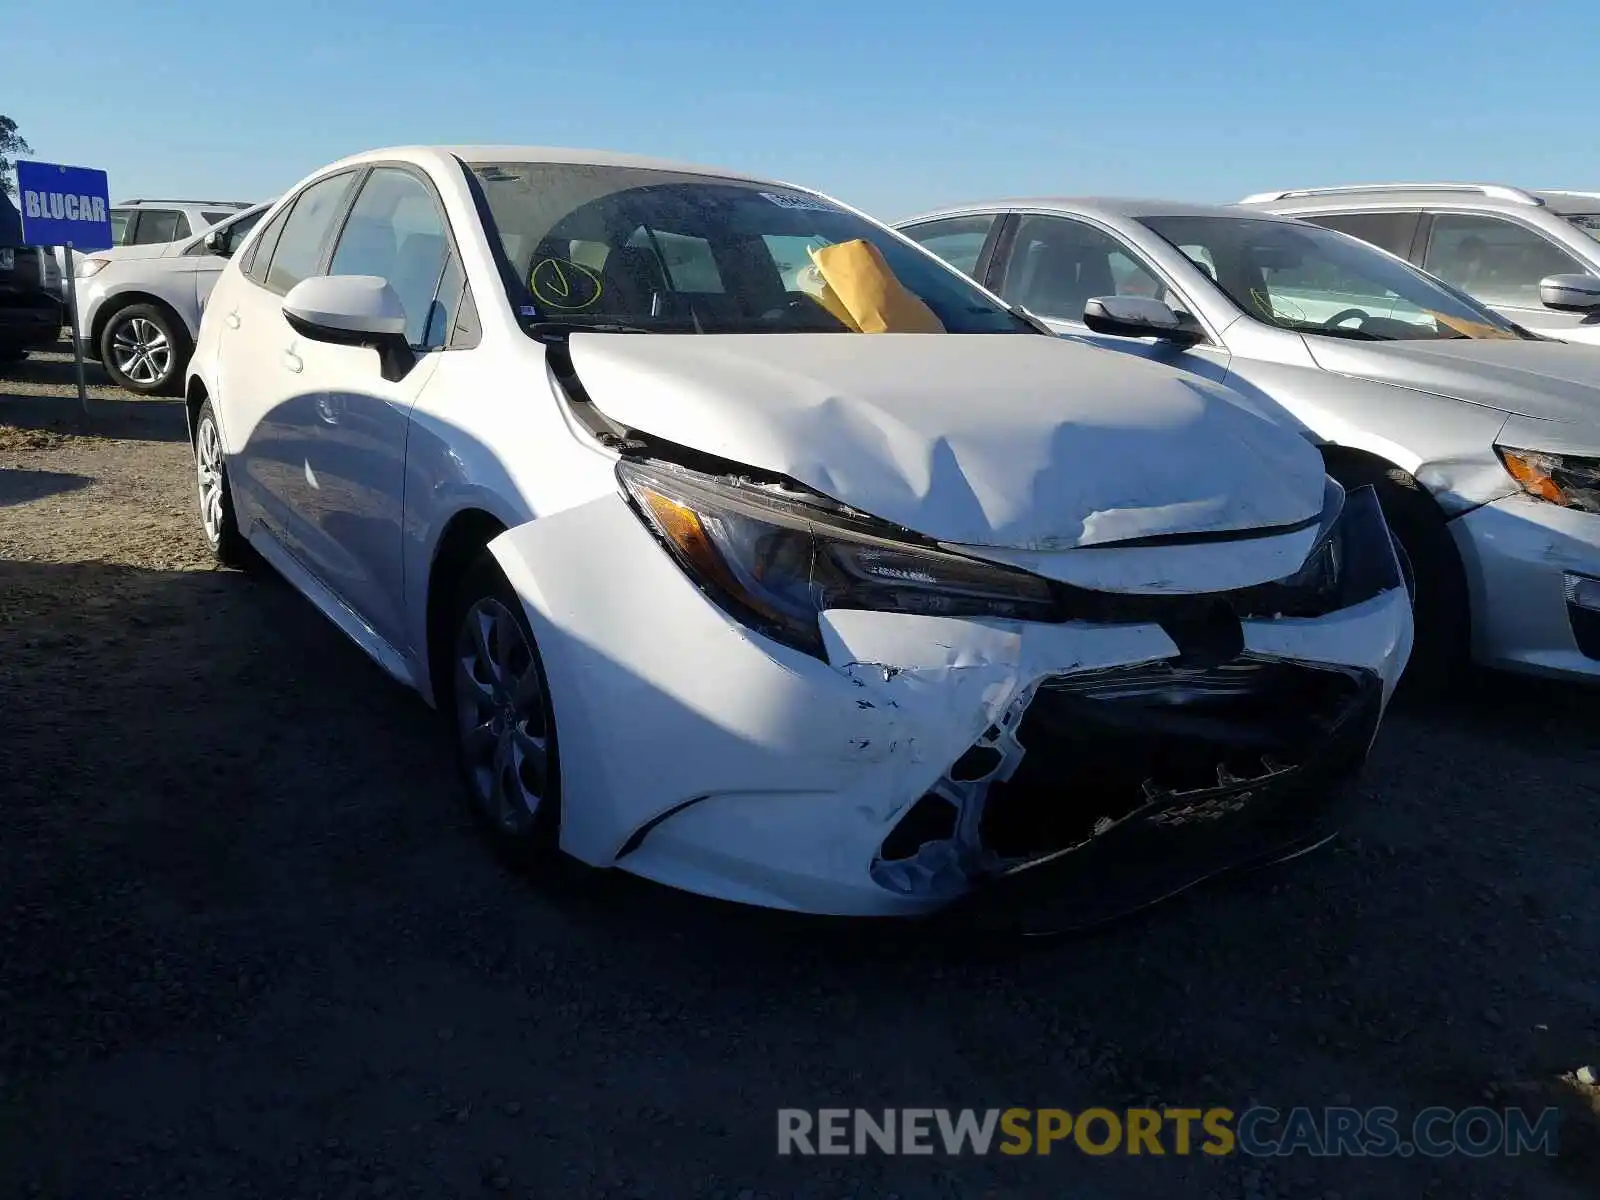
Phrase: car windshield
(1588, 222)
(1313, 280)
(648, 250)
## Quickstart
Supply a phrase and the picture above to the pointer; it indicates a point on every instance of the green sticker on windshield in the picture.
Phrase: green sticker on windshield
(563, 284)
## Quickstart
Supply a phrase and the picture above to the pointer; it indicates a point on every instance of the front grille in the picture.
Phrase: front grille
(1164, 737)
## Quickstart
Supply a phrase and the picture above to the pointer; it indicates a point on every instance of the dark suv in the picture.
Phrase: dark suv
(30, 306)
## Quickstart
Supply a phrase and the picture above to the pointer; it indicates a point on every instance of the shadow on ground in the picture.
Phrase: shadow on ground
(253, 947)
(122, 418)
(18, 486)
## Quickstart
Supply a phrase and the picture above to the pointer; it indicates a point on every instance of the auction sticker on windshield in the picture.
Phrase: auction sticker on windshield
(806, 202)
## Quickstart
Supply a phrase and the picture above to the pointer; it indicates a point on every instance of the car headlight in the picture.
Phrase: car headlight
(87, 268)
(1354, 558)
(775, 562)
(1564, 479)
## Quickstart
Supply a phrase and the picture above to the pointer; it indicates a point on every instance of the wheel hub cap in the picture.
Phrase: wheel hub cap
(501, 716)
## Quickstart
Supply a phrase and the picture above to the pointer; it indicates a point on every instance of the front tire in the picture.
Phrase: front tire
(498, 701)
(1442, 648)
(218, 524)
(144, 350)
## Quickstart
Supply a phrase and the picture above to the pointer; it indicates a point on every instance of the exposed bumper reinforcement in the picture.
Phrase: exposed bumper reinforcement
(1181, 838)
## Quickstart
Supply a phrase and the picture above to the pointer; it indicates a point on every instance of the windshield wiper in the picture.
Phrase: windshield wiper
(561, 329)
(1026, 317)
(1355, 335)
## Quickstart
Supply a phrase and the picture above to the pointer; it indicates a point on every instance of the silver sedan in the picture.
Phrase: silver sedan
(1482, 439)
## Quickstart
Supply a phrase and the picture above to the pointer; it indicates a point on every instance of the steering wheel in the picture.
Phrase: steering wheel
(792, 305)
(1340, 317)
(809, 312)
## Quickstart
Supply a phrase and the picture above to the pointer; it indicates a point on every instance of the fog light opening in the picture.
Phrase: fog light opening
(1583, 592)
(979, 762)
(930, 819)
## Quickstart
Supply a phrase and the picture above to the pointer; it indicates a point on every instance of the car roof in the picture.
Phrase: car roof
(440, 156)
(1092, 206)
(239, 204)
(1570, 201)
(1426, 195)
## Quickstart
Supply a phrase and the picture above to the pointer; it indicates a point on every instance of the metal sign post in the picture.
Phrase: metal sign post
(77, 338)
(69, 207)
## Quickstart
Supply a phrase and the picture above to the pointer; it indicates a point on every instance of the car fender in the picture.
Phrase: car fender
(650, 685)
(1446, 444)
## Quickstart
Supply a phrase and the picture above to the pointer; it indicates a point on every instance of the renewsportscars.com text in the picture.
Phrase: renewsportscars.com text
(1260, 1132)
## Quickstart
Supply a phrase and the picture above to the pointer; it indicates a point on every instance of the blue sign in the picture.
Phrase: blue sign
(64, 206)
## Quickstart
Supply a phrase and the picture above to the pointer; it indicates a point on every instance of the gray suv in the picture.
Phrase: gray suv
(1532, 256)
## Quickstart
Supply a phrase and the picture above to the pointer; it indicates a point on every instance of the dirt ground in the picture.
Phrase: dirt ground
(251, 946)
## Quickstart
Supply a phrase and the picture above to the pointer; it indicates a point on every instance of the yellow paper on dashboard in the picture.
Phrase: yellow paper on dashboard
(859, 288)
(1471, 329)
(810, 280)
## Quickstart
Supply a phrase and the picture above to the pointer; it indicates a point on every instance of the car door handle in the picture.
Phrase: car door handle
(293, 362)
(232, 320)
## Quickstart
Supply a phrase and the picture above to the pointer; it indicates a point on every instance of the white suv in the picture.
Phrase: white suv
(149, 228)
(139, 307)
(151, 222)
(1533, 257)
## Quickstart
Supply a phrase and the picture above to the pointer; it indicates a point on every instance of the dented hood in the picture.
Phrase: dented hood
(1556, 381)
(986, 440)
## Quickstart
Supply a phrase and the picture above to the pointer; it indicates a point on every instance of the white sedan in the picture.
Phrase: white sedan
(580, 447)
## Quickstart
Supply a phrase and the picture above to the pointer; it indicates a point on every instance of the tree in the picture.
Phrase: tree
(12, 144)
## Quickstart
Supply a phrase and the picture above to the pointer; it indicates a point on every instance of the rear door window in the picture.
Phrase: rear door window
(259, 258)
(298, 253)
(156, 225)
(1391, 231)
(957, 240)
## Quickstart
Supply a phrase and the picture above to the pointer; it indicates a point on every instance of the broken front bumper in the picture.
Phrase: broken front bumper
(704, 756)
(1112, 859)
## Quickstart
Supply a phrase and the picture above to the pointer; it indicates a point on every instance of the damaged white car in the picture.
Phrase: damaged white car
(751, 549)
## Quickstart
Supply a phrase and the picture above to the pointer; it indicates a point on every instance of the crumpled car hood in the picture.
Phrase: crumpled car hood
(1556, 381)
(984, 440)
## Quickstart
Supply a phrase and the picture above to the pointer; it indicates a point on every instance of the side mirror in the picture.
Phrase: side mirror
(216, 242)
(1137, 316)
(353, 310)
(1570, 293)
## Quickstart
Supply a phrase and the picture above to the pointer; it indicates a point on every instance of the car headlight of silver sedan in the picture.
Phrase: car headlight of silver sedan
(1570, 480)
(88, 268)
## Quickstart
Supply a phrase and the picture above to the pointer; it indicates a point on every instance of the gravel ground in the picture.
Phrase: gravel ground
(252, 946)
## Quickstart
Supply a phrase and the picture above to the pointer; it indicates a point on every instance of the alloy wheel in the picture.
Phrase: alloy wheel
(502, 720)
(208, 467)
(142, 351)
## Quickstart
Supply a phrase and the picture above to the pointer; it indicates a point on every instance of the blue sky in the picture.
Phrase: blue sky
(891, 106)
